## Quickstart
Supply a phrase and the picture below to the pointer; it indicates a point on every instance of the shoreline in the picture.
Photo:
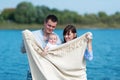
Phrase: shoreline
(15, 26)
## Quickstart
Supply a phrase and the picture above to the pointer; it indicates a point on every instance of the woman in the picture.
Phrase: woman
(70, 33)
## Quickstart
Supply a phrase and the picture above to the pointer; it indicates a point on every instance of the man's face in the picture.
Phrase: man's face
(50, 26)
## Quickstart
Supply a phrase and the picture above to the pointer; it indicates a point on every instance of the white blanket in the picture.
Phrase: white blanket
(65, 62)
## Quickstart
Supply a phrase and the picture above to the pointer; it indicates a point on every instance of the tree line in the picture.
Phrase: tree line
(26, 13)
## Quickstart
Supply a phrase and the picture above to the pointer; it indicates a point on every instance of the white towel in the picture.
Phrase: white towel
(65, 62)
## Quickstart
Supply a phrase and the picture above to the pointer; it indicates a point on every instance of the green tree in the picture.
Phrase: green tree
(116, 17)
(7, 14)
(69, 17)
(42, 12)
(89, 19)
(103, 17)
(25, 13)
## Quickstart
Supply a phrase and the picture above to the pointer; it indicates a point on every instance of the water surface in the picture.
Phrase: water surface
(105, 65)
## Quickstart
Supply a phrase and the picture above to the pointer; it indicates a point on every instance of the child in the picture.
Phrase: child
(52, 43)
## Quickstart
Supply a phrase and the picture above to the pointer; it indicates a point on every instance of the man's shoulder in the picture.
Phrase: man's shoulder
(55, 33)
(35, 31)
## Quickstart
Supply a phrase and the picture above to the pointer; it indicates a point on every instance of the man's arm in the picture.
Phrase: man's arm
(23, 50)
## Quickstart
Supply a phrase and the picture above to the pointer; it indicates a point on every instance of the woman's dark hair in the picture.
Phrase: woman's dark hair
(67, 30)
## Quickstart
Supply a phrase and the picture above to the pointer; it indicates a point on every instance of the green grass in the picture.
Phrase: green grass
(11, 25)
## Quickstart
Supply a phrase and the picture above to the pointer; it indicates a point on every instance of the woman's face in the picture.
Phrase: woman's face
(69, 36)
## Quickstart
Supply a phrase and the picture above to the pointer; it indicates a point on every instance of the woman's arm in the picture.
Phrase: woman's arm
(88, 55)
(89, 52)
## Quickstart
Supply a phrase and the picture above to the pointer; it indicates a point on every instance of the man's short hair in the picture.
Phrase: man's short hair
(52, 18)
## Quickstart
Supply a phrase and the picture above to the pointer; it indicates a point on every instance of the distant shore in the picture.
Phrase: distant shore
(10, 25)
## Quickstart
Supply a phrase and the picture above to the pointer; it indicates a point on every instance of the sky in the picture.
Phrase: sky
(79, 6)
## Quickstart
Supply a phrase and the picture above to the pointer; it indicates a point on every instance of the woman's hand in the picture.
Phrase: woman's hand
(89, 35)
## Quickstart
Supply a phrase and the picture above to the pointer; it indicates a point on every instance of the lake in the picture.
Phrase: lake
(105, 65)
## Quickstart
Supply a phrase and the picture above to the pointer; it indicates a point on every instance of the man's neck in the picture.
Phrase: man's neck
(45, 34)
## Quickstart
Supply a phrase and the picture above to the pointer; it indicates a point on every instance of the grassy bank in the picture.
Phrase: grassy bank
(10, 25)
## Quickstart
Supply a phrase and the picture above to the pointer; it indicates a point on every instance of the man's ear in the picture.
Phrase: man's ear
(44, 22)
(75, 35)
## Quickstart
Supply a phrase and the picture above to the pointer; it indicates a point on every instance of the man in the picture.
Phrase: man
(41, 36)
